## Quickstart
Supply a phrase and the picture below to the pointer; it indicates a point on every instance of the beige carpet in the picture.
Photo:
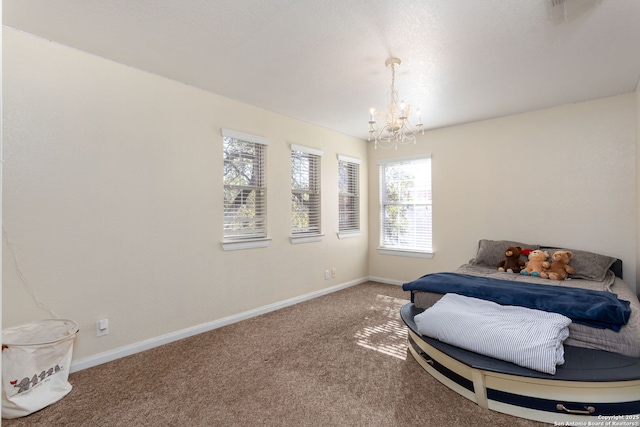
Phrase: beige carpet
(337, 360)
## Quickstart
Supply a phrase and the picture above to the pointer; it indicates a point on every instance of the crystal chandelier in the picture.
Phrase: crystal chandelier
(396, 129)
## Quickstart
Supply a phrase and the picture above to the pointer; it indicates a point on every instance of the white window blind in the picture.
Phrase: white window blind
(305, 190)
(348, 194)
(245, 191)
(405, 204)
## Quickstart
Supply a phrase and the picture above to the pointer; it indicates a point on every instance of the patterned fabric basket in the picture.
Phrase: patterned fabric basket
(36, 358)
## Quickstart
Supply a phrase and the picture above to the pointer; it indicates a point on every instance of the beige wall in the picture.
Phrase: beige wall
(113, 200)
(562, 176)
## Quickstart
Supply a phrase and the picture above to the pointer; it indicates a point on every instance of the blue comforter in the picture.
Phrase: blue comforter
(598, 309)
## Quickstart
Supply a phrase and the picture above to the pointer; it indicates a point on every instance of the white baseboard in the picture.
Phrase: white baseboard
(138, 347)
(385, 280)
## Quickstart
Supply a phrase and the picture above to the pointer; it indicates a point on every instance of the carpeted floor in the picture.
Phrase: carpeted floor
(337, 360)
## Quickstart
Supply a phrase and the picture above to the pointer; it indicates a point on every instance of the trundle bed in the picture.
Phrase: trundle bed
(562, 352)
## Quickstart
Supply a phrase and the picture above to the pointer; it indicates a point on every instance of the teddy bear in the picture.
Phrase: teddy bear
(560, 269)
(512, 263)
(537, 264)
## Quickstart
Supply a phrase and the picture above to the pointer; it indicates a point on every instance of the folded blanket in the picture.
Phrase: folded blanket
(529, 338)
(597, 309)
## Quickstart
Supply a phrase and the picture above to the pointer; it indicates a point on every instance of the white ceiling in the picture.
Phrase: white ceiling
(323, 61)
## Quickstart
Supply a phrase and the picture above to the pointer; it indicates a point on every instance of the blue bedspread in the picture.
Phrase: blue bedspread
(598, 309)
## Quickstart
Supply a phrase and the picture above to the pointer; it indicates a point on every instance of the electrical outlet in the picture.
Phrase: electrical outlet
(333, 272)
(327, 275)
(102, 327)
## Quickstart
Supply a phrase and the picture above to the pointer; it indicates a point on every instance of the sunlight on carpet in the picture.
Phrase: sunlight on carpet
(384, 331)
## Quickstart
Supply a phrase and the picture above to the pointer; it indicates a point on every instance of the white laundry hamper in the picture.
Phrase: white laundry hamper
(36, 358)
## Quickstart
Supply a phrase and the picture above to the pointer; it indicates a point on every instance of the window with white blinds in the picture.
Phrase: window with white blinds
(406, 205)
(245, 191)
(348, 194)
(305, 191)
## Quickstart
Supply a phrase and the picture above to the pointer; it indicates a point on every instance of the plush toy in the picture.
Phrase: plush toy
(537, 264)
(560, 269)
(512, 263)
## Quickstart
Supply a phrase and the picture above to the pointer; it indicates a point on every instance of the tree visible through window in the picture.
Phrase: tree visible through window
(305, 190)
(406, 205)
(245, 192)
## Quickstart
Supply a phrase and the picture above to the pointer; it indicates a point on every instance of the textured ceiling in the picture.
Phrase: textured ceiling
(323, 61)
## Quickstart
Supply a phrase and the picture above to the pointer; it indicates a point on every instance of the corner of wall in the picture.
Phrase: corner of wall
(637, 97)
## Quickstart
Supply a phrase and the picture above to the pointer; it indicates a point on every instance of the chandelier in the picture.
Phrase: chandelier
(396, 129)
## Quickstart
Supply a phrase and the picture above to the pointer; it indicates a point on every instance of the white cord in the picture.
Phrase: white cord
(23, 278)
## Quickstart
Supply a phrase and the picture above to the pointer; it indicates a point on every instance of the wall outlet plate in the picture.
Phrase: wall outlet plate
(102, 327)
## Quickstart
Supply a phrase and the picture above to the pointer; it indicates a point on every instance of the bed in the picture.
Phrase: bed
(550, 351)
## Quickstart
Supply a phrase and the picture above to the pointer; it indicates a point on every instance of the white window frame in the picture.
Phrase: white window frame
(249, 237)
(313, 157)
(351, 228)
(415, 198)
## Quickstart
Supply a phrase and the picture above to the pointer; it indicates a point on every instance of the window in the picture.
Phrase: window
(405, 206)
(305, 194)
(348, 196)
(245, 191)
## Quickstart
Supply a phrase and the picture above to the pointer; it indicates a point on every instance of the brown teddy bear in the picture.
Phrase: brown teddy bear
(560, 269)
(537, 264)
(512, 263)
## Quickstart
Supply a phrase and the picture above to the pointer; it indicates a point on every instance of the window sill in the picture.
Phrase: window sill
(306, 239)
(234, 245)
(349, 234)
(406, 253)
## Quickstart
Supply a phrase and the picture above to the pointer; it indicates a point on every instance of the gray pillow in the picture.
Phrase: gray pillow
(491, 252)
(588, 265)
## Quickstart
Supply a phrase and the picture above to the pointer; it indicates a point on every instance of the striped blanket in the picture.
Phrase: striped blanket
(523, 336)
